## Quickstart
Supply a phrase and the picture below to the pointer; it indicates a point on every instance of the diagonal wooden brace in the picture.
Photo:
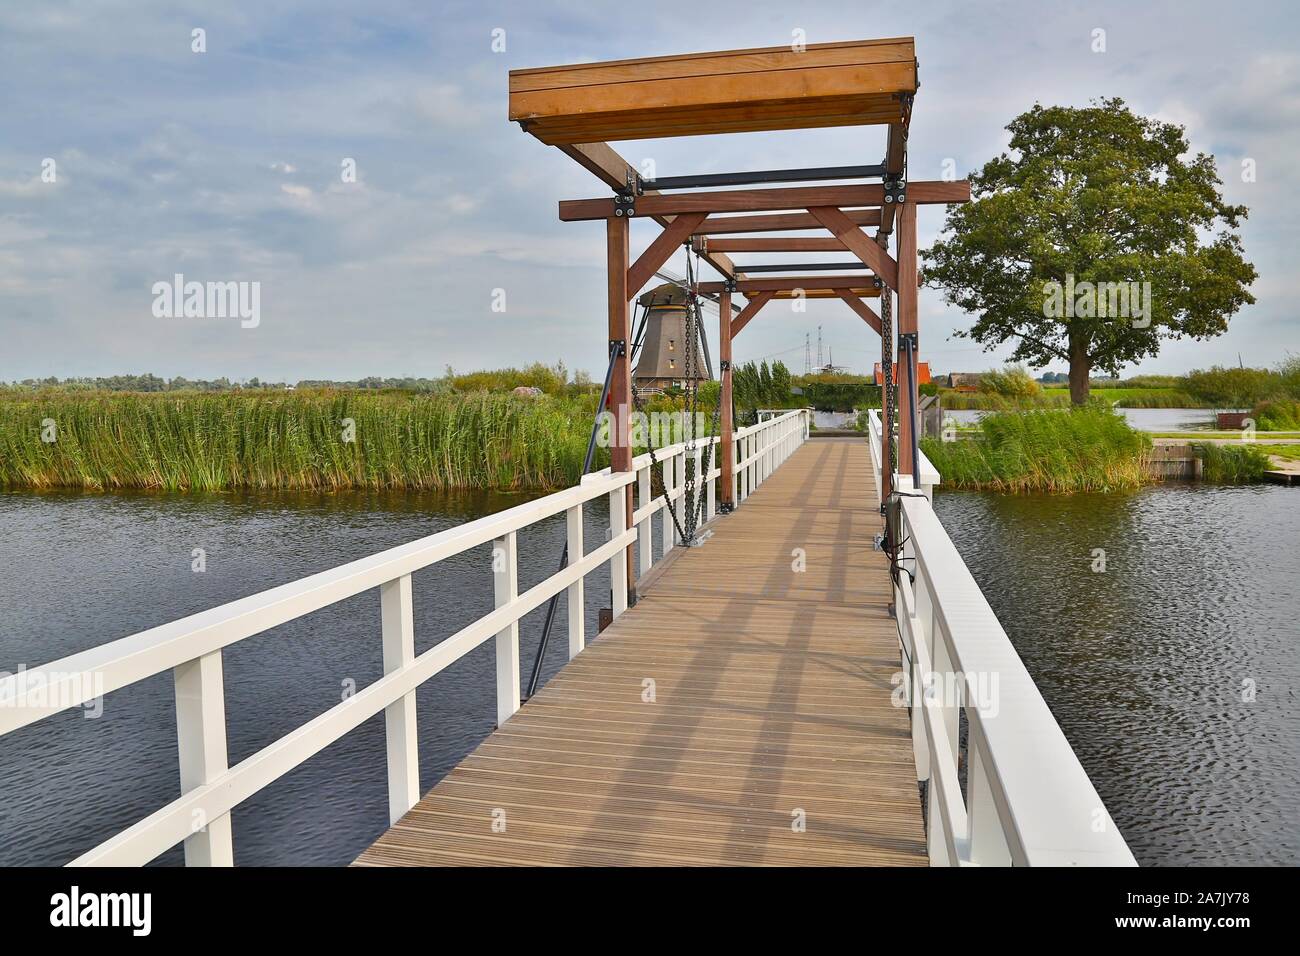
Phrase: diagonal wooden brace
(857, 241)
(750, 310)
(860, 307)
(647, 264)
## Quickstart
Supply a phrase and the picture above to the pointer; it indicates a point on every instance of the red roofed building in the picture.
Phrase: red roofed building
(922, 374)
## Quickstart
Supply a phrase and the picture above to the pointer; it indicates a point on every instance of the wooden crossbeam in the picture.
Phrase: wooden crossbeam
(858, 243)
(779, 222)
(861, 308)
(657, 253)
(764, 200)
(866, 292)
(750, 310)
(770, 244)
(790, 283)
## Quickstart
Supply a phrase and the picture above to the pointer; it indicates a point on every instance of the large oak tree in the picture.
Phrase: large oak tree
(1085, 196)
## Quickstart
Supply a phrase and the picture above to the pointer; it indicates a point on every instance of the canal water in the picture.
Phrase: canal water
(1146, 665)
(1143, 419)
(80, 570)
(1175, 671)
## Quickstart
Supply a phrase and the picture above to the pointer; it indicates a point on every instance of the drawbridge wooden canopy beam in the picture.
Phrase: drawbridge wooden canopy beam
(854, 83)
(581, 107)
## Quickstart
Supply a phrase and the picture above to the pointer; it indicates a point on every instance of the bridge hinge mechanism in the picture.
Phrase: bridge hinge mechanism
(895, 187)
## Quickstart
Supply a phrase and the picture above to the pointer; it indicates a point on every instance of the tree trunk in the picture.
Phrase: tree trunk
(1080, 372)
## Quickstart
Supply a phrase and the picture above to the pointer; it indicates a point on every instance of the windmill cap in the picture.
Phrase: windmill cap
(667, 294)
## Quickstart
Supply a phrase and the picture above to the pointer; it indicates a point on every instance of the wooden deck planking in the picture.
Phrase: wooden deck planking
(772, 694)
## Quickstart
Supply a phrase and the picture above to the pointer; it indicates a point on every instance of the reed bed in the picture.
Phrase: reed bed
(1045, 450)
(291, 441)
(1236, 463)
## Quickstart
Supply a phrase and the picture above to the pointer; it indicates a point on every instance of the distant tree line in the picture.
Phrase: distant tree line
(551, 379)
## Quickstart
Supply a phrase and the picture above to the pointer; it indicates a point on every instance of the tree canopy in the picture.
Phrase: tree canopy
(1091, 212)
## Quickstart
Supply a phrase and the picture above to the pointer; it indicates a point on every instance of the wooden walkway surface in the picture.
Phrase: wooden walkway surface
(771, 706)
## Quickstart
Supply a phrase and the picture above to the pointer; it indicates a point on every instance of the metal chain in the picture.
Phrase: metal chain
(656, 463)
(888, 402)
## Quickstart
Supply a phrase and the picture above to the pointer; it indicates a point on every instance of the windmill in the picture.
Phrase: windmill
(661, 350)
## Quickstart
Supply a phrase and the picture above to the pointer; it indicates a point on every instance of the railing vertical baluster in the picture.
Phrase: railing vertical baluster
(618, 563)
(201, 746)
(744, 471)
(669, 471)
(936, 837)
(577, 605)
(711, 488)
(988, 843)
(398, 627)
(645, 542)
(505, 580)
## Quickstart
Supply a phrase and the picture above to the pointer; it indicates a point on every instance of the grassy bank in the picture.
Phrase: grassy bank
(1069, 450)
(291, 441)
(1052, 397)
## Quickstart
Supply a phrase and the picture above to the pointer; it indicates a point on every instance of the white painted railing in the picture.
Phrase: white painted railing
(191, 648)
(929, 476)
(1028, 800)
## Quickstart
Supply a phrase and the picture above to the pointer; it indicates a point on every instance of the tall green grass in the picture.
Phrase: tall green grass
(297, 440)
(1279, 415)
(1236, 463)
(1083, 449)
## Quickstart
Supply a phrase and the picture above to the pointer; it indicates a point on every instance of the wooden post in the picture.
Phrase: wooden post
(620, 386)
(726, 452)
(907, 325)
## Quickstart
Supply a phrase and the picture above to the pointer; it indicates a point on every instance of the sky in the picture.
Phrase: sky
(228, 165)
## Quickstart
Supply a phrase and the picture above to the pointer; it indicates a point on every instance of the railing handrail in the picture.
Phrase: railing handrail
(1030, 800)
(159, 649)
(929, 474)
(191, 647)
(1054, 812)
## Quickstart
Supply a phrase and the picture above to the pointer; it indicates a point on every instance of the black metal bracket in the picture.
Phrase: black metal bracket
(895, 188)
(908, 338)
(724, 366)
(878, 282)
(729, 284)
(635, 184)
(726, 508)
(624, 204)
(813, 174)
(617, 347)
